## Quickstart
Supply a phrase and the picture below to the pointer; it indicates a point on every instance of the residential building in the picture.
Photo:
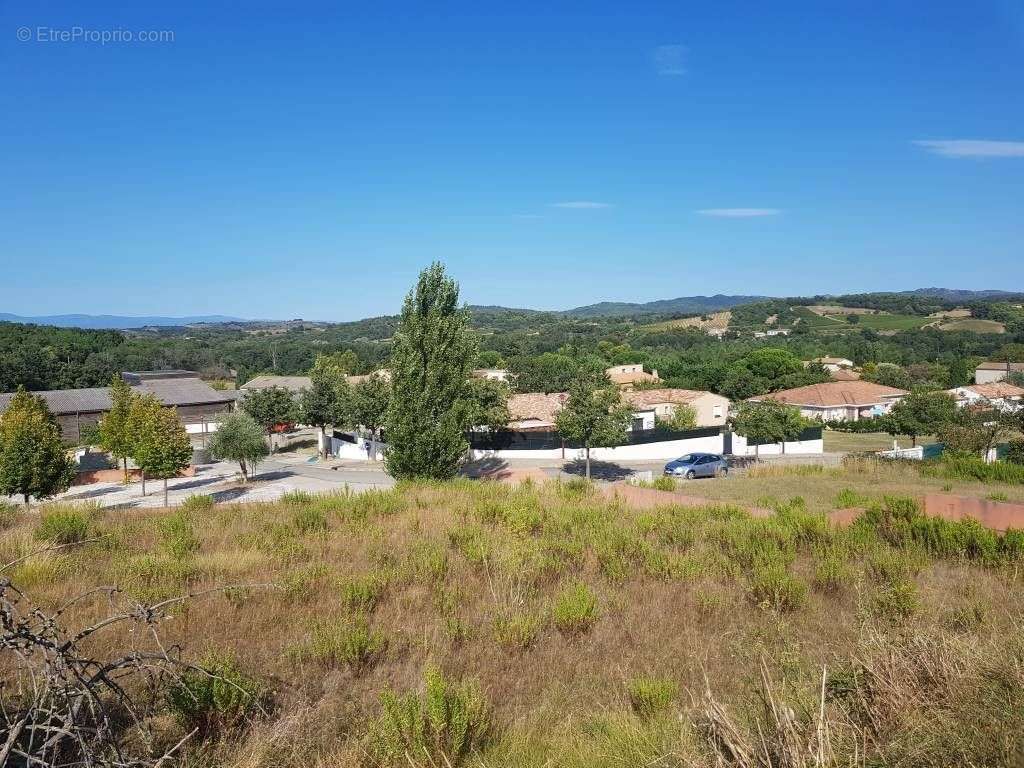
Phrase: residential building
(710, 409)
(996, 394)
(844, 374)
(839, 400)
(196, 401)
(494, 374)
(772, 332)
(628, 376)
(991, 371)
(294, 384)
(535, 411)
(832, 364)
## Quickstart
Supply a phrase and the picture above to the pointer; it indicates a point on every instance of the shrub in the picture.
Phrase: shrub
(1015, 452)
(63, 525)
(649, 696)
(309, 520)
(215, 697)
(848, 497)
(299, 583)
(772, 586)
(664, 483)
(427, 560)
(198, 502)
(179, 537)
(446, 724)
(517, 630)
(296, 498)
(361, 593)
(896, 602)
(347, 642)
(575, 609)
(832, 572)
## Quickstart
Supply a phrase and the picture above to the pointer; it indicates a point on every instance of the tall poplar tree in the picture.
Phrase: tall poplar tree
(33, 459)
(431, 357)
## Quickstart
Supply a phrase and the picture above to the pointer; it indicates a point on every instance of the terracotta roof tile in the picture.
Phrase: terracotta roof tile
(835, 393)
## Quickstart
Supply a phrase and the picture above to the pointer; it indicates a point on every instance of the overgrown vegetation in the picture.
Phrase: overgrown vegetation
(478, 624)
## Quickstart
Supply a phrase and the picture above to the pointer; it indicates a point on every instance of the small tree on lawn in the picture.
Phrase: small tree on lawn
(325, 402)
(431, 356)
(239, 438)
(33, 459)
(593, 417)
(115, 435)
(977, 429)
(163, 448)
(270, 407)
(921, 413)
(368, 404)
(768, 422)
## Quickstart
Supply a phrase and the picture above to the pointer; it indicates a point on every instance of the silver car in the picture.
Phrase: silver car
(698, 465)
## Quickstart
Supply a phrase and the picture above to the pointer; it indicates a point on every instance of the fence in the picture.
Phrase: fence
(511, 440)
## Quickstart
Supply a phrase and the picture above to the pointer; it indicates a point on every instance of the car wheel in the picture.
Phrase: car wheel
(690, 475)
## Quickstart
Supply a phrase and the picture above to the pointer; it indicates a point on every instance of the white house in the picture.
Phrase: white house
(998, 394)
(832, 364)
(710, 409)
(988, 372)
(839, 400)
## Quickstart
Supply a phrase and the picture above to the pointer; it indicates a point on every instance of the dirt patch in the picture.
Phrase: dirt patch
(997, 515)
(639, 497)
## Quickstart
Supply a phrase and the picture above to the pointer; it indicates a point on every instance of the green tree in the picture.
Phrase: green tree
(921, 413)
(141, 426)
(368, 405)
(489, 403)
(115, 436)
(270, 407)
(341, 363)
(593, 417)
(768, 422)
(33, 459)
(325, 402)
(977, 430)
(162, 448)
(682, 418)
(239, 438)
(431, 356)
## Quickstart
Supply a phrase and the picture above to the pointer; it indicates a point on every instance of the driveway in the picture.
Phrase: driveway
(274, 478)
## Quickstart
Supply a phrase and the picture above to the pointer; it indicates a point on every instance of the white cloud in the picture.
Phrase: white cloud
(581, 205)
(739, 213)
(973, 148)
(670, 60)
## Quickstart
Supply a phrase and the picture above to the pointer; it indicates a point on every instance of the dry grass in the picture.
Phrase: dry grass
(553, 602)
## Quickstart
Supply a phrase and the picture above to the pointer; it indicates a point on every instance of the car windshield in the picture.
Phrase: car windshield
(689, 458)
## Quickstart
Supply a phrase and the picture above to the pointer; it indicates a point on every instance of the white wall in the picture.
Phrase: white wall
(796, 447)
(668, 449)
(356, 451)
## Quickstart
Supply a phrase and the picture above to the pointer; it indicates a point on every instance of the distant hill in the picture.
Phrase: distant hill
(115, 321)
(682, 305)
(956, 294)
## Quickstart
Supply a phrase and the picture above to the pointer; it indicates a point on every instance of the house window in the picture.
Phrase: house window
(638, 423)
(716, 412)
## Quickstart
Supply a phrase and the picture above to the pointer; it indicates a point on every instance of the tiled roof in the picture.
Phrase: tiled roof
(536, 406)
(994, 391)
(844, 374)
(640, 398)
(632, 378)
(997, 366)
(835, 393)
(168, 391)
(291, 383)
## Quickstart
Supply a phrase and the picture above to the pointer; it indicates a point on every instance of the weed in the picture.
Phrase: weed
(216, 696)
(896, 602)
(178, 535)
(997, 496)
(446, 724)
(309, 520)
(63, 525)
(297, 498)
(348, 641)
(832, 573)
(362, 593)
(198, 502)
(664, 483)
(517, 630)
(772, 586)
(575, 609)
(650, 696)
(8, 514)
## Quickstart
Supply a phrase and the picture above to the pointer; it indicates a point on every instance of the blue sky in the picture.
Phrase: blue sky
(307, 161)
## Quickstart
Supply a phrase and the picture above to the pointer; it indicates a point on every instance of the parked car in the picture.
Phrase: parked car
(698, 465)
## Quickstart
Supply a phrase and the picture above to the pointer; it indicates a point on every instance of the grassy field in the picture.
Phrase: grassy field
(478, 624)
(974, 325)
(856, 442)
(877, 322)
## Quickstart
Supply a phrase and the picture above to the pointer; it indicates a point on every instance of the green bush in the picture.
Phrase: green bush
(198, 502)
(446, 724)
(896, 602)
(650, 696)
(575, 609)
(1015, 452)
(517, 630)
(771, 585)
(215, 697)
(178, 535)
(965, 466)
(309, 520)
(664, 483)
(63, 525)
(832, 573)
(342, 642)
(362, 593)
(296, 498)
